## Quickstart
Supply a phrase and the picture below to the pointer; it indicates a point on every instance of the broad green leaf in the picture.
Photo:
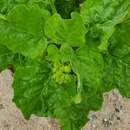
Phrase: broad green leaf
(101, 17)
(88, 65)
(104, 11)
(88, 58)
(117, 73)
(120, 42)
(22, 31)
(29, 82)
(7, 5)
(66, 31)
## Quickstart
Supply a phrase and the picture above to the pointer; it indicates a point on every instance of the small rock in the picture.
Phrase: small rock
(117, 109)
(1, 106)
(94, 126)
(118, 118)
(92, 117)
(106, 122)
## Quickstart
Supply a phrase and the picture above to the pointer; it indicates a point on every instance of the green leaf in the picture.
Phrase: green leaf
(88, 66)
(101, 17)
(87, 59)
(66, 31)
(7, 5)
(104, 11)
(19, 34)
(29, 82)
(117, 73)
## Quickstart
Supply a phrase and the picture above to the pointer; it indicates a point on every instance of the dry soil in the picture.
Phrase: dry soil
(114, 115)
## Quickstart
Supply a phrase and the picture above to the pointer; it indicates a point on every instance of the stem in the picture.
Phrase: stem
(78, 97)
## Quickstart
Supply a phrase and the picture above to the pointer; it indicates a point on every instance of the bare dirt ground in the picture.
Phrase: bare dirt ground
(114, 115)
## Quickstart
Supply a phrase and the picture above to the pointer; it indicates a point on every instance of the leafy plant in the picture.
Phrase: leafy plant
(65, 55)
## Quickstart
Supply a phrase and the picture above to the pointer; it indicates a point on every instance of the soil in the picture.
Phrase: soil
(114, 115)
